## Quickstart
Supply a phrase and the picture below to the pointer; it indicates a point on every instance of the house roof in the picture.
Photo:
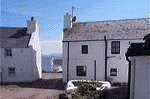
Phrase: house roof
(115, 29)
(14, 37)
(137, 49)
(140, 49)
(146, 37)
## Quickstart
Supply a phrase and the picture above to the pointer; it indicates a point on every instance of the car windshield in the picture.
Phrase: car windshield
(78, 83)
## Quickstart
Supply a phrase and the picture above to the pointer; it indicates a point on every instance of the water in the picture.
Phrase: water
(46, 61)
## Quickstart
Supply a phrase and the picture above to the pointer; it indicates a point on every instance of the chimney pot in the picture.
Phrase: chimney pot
(32, 18)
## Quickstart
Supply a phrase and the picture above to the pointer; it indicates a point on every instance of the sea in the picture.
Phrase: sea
(46, 61)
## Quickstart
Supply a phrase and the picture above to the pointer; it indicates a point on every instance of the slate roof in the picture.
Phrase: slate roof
(140, 49)
(137, 49)
(115, 29)
(14, 37)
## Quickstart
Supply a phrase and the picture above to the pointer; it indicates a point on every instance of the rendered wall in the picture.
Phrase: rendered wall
(140, 76)
(35, 72)
(64, 61)
(35, 43)
(96, 51)
(119, 60)
(0, 66)
(22, 61)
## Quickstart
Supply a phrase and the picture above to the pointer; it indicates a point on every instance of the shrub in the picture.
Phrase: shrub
(117, 84)
(109, 79)
(86, 90)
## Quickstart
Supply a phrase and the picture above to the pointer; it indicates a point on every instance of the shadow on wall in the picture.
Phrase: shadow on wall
(117, 93)
(35, 71)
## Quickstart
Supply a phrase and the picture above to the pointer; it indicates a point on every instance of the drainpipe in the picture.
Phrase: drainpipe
(95, 70)
(1, 76)
(129, 75)
(105, 58)
(68, 63)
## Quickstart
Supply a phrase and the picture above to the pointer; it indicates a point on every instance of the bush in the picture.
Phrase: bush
(86, 90)
(117, 84)
(109, 79)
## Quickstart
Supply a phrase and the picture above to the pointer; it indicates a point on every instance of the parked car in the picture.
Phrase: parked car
(58, 70)
(70, 87)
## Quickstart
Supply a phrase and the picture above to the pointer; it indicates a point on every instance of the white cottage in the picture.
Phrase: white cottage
(20, 54)
(138, 56)
(96, 50)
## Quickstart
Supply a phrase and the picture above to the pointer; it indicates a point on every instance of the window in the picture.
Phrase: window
(81, 70)
(115, 47)
(11, 71)
(84, 49)
(8, 52)
(113, 72)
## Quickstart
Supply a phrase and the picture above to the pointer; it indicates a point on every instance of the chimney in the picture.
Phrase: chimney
(67, 21)
(31, 26)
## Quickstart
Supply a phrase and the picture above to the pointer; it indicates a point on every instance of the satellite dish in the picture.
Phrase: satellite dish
(74, 19)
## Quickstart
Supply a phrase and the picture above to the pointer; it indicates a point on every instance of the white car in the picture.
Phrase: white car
(71, 88)
(58, 69)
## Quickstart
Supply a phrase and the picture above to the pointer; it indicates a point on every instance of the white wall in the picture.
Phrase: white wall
(64, 62)
(22, 61)
(96, 51)
(0, 66)
(139, 88)
(67, 20)
(35, 72)
(35, 43)
(119, 61)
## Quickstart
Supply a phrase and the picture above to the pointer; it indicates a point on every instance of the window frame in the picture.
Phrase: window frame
(114, 46)
(11, 71)
(8, 52)
(84, 49)
(81, 71)
(113, 70)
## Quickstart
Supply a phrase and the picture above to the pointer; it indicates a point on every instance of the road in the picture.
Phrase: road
(46, 88)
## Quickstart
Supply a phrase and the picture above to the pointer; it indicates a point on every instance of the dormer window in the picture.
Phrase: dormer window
(8, 52)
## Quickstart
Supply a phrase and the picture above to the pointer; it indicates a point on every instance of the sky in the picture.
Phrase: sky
(49, 15)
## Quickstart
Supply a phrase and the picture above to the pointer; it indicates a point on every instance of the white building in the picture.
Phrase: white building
(20, 54)
(96, 50)
(138, 55)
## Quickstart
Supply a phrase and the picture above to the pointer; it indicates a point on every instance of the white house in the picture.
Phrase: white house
(20, 54)
(96, 50)
(138, 55)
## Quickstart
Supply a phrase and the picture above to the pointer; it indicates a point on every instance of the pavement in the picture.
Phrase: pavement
(117, 93)
(48, 87)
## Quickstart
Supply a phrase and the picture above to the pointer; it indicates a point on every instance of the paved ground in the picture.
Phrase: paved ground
(47, 88)
(117, 93)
